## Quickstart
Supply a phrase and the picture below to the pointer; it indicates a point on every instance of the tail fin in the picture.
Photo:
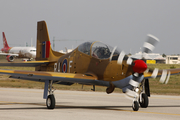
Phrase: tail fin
(5, 41)
(43, 46)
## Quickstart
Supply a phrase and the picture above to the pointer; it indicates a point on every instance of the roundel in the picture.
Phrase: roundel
(64, 66)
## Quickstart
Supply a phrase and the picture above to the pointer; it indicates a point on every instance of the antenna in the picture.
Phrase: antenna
(53, 43)
(31, 42)
(26, 44)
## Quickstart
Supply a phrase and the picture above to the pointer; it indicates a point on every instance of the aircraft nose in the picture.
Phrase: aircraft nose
(139, 66)
(33, 55)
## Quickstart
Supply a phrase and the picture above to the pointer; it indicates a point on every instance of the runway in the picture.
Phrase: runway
(28, 104)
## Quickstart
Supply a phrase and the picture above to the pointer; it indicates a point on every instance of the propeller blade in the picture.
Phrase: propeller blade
(121, 57)
(155, 72)
(129, 61)
(167, 80)
(135, 83)
(131, 94)
(110, 58)
(149, 45)
(164, 77)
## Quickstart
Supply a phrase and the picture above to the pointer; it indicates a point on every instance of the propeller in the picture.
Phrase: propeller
(139, 67)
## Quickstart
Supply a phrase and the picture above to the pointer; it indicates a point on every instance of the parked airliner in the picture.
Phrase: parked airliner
(21, 52)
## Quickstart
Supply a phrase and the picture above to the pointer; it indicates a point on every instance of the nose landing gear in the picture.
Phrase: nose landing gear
(139, 95)
(135, 106)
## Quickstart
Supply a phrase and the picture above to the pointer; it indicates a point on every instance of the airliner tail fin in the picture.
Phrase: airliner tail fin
(5, 44)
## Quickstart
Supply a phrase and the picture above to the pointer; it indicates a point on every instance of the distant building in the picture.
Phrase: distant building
(172, 59)
(67, 51)
(150, 58)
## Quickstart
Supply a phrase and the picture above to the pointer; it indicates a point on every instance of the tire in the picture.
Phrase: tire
(50, 102)
(135, 106)
(145, 101)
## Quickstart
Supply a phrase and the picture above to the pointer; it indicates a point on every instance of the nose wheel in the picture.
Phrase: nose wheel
(135, 106)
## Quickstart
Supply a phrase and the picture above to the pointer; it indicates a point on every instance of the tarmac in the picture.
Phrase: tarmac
(28, 104)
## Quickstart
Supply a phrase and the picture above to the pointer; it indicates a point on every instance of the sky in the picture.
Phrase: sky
(122, 23)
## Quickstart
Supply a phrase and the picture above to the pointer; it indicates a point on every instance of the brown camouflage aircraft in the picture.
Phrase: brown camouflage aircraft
(91, 63)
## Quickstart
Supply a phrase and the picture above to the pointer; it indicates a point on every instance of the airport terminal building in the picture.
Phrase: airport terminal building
(150, 58)
(172, 59)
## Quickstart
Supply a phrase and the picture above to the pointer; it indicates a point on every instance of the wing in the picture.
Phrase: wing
(24, 64)
(9, 54)
(55, 76)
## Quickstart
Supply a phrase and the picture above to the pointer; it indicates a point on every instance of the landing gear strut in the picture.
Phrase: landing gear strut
(50, 101)
(135, 105)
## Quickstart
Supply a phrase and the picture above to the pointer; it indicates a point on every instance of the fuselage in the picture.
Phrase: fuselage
(28, 52)
(93, 58)
(78, 62)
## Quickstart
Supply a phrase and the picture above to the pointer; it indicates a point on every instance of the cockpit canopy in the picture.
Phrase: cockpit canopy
(98, 50)
(85, 47)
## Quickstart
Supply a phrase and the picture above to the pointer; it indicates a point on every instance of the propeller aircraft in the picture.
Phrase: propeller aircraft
(91, 63)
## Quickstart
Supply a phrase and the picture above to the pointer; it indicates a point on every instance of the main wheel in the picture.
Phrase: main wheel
(144, 103)
(50, 102)
(135, 106)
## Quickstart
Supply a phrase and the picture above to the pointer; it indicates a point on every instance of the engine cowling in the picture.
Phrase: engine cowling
(10, 58)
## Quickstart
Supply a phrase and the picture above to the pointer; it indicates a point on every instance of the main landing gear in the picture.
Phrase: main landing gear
(50, 101)
(144, 93)
(144, 100)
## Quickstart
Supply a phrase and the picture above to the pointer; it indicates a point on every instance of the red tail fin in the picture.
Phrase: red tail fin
(5, 41)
